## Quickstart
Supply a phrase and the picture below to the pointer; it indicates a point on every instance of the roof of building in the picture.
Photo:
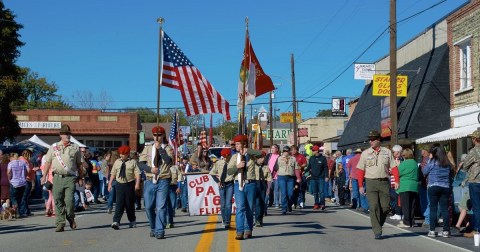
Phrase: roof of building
(425, 110)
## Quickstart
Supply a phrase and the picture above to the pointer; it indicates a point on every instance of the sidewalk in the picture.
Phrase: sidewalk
(455, 238)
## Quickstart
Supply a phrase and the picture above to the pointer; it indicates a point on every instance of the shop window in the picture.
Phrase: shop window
(465, 63)
(108, 144)
(99, 143)
(89, 143)
(117, 144)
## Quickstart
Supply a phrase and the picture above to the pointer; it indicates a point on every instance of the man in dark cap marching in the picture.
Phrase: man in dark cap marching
(65, 159)
(375, 165)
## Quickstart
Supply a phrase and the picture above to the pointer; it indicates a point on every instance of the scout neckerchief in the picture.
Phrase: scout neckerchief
(56, 150)
(123, 172)
(224, 173)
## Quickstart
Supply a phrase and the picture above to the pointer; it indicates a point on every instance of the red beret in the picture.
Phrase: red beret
(124, 150)
(158, 130)
(225, 152)
(239, 139)
(315, 148)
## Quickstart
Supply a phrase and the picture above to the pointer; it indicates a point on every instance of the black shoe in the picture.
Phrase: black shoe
(152, 234)
(378, 236)
(284, 213)
(160, 236)
(138, 208)
(115, 226)
(184, 210)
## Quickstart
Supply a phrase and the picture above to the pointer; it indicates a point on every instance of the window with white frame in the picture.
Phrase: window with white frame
(465, 59)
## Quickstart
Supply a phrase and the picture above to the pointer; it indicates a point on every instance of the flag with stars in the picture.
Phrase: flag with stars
(178, 72)
(172, 139)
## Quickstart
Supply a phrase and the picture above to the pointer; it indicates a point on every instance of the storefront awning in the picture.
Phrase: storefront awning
(450, 134)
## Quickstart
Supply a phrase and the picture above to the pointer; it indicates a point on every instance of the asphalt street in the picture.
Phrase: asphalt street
(336, 229)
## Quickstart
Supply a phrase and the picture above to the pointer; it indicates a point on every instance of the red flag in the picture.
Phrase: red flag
(252, 74)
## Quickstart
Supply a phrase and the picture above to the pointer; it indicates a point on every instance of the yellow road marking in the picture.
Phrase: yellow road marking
(208, 233)
(67, 242)
(232, 244)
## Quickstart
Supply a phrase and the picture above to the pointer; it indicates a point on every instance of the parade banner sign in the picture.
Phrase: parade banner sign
(203, 195)
(381, 85)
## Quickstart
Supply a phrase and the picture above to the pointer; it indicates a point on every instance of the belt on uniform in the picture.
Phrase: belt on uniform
(380, 179)
(64, 176)
(245, 181)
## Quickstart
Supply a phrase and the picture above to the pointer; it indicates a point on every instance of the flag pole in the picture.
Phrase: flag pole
(160, 20)
(242, 130)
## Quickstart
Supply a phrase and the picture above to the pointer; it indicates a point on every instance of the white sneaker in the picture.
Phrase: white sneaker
(431, 234)
(396, 217)
(445, 234)
(301, 204)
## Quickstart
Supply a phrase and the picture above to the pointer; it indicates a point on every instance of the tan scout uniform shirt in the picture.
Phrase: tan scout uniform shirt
(267, 175)
(70, 155)
(217, 170)
(176, 175)
(165, 168)
(233, 170)
(472, 165)
(131, 170)
(376, 165)
(287, 167)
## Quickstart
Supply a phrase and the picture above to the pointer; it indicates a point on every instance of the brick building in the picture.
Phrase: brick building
(94, 128)
(463, 30)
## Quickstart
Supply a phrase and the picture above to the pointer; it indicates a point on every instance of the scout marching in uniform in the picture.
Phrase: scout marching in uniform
(225, 185)
(374, 165)
(157, 182)
(287, 166)
(65, 159)
(174, 189)
(126, 173)
(264, 182)
(243, 169)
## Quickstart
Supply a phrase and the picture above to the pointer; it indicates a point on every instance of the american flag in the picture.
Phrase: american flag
(172, 139)
(178, 72)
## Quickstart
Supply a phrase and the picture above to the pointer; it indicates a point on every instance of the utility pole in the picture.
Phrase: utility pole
(393, 71)
(271, 121)
(294, 103)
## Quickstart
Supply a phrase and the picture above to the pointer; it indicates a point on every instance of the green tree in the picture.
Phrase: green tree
(324, 113)
(10, 90)
(39, 93)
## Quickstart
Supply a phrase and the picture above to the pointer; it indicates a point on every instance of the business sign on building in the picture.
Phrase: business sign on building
(381, 85)
(303, 132)
(364, 71)
(39, 125)
(386, 123)
(287, 117)
(338, 107)
(278, 134)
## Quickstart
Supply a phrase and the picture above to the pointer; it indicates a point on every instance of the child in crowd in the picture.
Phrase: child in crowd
(340, 178)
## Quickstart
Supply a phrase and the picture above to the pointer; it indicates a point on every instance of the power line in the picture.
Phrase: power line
(376, 39)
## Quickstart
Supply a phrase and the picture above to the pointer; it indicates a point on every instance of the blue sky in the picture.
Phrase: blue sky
(112, 45)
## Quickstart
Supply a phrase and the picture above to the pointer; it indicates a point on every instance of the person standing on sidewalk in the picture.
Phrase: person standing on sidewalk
(439, 171)
(374, 166)
(299, 194)
(65, 159)
(127, 174)
(318, 169)
(472, 166)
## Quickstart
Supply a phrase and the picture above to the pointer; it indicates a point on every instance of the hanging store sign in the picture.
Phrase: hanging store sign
(381, 85)
(288, 117)
(364, 71)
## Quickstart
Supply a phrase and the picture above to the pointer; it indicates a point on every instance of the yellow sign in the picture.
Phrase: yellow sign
(381, 85)
(288, 117)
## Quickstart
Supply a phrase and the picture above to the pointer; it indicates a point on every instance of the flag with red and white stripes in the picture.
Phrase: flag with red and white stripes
(178, 72)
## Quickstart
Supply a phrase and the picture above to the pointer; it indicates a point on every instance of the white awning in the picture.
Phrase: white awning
(450, 134)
